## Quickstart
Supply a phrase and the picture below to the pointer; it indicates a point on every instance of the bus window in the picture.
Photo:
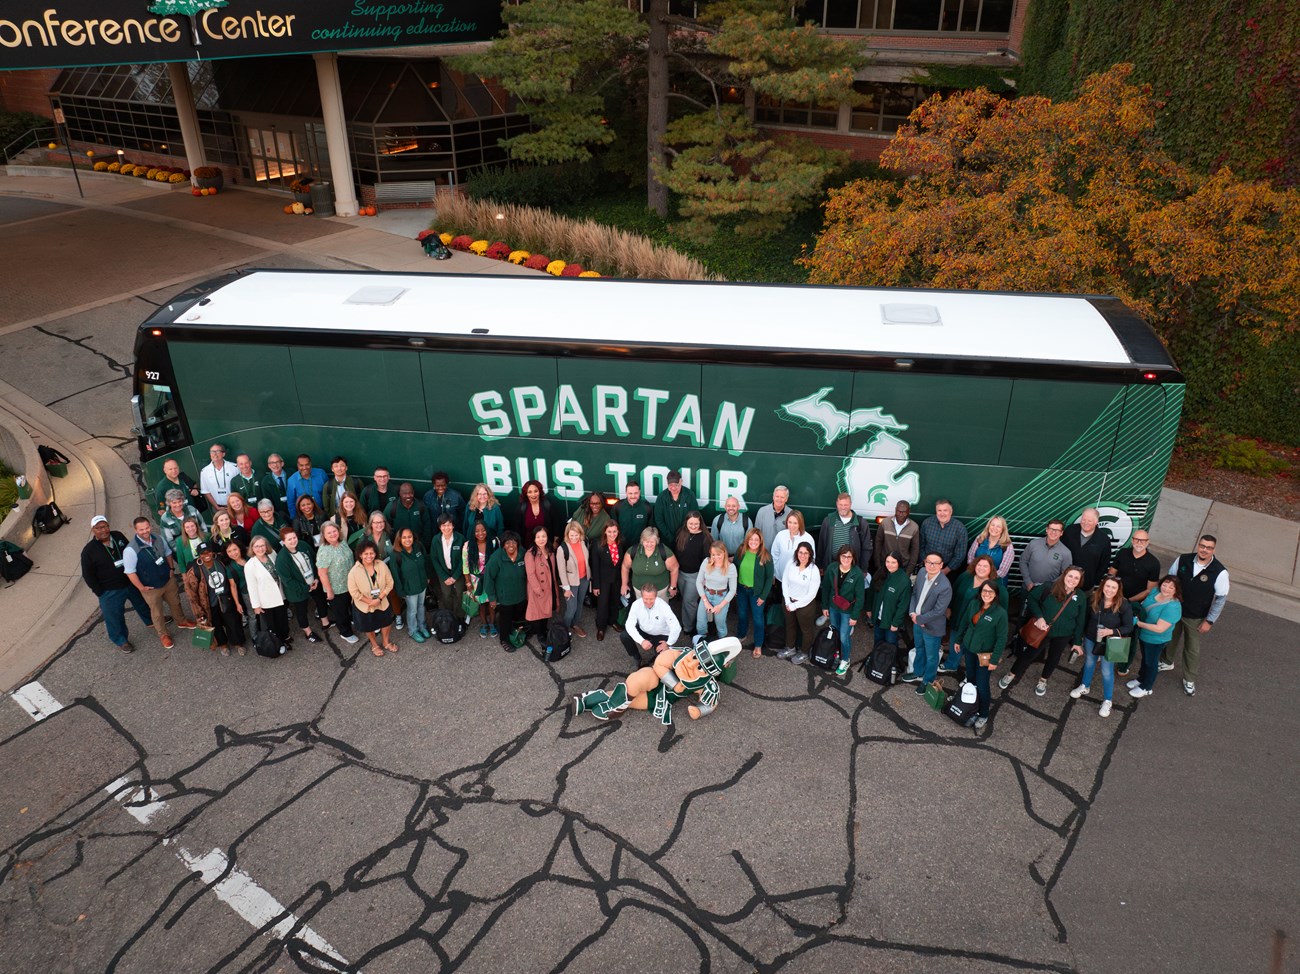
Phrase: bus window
(159, 424)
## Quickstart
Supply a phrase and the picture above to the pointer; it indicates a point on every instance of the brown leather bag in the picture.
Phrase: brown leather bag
(1032, 636)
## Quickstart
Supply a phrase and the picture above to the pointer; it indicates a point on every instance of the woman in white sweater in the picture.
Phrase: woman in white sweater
(264, 593)
(787, 540)
(801, 584)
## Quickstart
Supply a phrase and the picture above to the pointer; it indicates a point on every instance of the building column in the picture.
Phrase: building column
(336, 134)
(179, 74)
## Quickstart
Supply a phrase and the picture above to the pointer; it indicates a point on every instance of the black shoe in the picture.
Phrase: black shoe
(509, 647)
(313, 638)
(920, 690)
(126, 647)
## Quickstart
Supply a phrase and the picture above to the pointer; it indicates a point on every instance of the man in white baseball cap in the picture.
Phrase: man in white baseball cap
(101, 568)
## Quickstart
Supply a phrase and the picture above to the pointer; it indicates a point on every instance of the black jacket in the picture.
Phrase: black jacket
(1093, 557)
(98, 566)
(1121, 622)
(603, 571)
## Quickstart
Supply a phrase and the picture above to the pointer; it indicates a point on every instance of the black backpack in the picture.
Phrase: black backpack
(961, 712)
(558, 641)
(825, 651)
(882, 665)
(47, 518)
(447, 628)
(14, 563)
(265, 642)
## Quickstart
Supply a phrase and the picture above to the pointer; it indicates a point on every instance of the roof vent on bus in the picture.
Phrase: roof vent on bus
(376, 295)
(910, 314)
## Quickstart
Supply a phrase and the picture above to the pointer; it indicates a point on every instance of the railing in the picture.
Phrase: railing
(29, 139)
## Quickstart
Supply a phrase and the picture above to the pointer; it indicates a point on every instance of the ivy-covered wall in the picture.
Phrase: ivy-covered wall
(1227, 72)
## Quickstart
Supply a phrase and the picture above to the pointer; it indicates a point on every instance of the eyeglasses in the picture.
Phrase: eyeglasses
(1141, 540)
(1207, 547)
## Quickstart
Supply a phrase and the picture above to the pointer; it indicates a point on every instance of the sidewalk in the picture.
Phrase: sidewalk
(48, 607)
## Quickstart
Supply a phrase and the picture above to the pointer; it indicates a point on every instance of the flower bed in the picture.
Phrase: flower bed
(500, 250)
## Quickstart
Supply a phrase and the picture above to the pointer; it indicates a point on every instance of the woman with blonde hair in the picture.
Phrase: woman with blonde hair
(483, 506)
(716, 585)
(241, 515)
(994, 541)
(574, 571)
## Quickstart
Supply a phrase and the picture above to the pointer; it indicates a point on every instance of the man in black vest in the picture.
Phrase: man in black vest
(1205, 591)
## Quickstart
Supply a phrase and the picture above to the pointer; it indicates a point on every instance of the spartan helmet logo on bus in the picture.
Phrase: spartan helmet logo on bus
(873, 475)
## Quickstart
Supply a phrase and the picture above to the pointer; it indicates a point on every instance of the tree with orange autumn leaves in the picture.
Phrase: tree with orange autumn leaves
(1071, 196)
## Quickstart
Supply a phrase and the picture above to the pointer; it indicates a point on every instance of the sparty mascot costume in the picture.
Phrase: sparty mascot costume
(674, 675)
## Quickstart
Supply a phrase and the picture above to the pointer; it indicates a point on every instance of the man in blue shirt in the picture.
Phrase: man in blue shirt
(308, 481)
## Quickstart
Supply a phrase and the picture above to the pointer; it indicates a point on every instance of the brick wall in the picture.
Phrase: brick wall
(26, 91)
(1018, 26)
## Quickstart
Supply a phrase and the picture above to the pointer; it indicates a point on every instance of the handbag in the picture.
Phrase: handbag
(837, 600)
(936, 696)
(1117, 649)
(201, 637)
(1032, 636)
(468, 604)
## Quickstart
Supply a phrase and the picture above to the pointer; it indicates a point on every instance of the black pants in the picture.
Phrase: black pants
(227, 624)
(1049, 651)
(277, 620)
(340, 613)
(509, 617)
(640, 656)
(607, 606)
(316, 595)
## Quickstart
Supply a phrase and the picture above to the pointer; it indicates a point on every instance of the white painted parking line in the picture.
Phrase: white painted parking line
(235, 887)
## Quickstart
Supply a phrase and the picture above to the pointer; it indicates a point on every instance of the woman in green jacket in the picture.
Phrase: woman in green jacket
(964, 589)
(410, 566)
(981, 637)
(295, 563)
(889, 605)
(506, 585)
(844, 591)
(755, 573)
(268, 525)
(1058, 612)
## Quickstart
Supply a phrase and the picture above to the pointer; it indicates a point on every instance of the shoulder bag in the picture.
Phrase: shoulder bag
(1032, 636)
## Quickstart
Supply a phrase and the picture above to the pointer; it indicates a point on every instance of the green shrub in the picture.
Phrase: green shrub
(8, 495)
(14, 124)
(1247, 456)
(544, 186)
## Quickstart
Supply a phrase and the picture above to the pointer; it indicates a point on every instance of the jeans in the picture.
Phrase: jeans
(719, 619)
(113, 606)
(747, 609)
(1107, 670)
(415, 613)
(927, 654)
(844, 623)
(573, 606)
(979, 675)
(1150, 660)
(884, 635)
(690, 601)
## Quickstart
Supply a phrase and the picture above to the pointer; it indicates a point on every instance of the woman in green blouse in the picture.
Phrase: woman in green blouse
(650, 562)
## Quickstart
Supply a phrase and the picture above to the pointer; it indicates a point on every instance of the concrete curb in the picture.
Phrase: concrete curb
(18, 445)
(44, 610)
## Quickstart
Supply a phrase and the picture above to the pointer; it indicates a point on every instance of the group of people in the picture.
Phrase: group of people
(288, 550)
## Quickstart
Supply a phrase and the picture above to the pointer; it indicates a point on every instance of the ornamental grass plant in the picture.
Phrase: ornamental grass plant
(611, 252)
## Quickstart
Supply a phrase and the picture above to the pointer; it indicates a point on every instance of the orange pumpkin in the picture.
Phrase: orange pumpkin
(288, 208)
(196, 191)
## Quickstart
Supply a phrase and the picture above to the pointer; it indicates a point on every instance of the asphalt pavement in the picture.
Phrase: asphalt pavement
(442, 809)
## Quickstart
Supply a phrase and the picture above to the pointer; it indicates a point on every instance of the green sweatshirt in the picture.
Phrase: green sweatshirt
(852, 587)
(670, 514)
(632, 519)
(410, 570)
(964, 602)
(291, 580)
(1071, 620)
(504, 580)
(988, 635)
(890, 606)
(440, 571)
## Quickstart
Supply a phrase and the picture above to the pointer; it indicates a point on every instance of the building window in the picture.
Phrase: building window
(887, 106)
(947, 16)
(770, 111)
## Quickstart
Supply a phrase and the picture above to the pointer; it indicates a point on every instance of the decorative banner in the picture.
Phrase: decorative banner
(65, 33)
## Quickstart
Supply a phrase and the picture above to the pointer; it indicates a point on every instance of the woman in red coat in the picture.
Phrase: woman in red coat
(539, 572)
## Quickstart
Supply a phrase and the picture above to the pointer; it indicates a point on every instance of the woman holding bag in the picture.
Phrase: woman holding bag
(844, 592)
(1056, 618)
(264, 595)
(1110, 616)
(981, 637)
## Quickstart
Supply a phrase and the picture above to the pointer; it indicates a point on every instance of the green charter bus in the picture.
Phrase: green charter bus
(1031, 406)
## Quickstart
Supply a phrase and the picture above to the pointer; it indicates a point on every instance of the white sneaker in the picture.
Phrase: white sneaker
(1165, 667)
(1138, 693)
(1005, 681)
(1078, 692)
(1133, 684)
(1105, 709)
(1189, 688)
(352, 640)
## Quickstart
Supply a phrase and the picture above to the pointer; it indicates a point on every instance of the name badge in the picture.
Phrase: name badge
(159, 561)
(1204, 577)
(374, 593)
(315, 539)
(118, 563)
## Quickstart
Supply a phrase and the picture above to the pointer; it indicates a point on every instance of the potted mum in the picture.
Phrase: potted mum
(208, 177)
(301, 189)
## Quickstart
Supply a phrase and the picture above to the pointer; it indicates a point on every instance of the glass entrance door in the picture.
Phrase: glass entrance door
(276, 156)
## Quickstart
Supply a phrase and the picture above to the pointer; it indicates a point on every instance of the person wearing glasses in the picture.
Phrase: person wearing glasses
(1138, 571)
(214, 479)
(1204, 583)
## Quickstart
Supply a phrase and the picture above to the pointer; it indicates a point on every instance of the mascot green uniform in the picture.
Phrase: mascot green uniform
(674, 675)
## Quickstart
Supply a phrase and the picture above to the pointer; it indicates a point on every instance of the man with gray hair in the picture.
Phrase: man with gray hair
(770, 519)
(214, 479)
(275, 484)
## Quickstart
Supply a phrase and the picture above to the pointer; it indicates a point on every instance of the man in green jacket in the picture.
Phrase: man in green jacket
(446, 555)
(407, 512)
(633, 515)
(246, 482)
(672, 506)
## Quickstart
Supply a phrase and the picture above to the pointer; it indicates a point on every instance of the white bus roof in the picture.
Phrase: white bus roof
(948, 324)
